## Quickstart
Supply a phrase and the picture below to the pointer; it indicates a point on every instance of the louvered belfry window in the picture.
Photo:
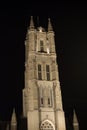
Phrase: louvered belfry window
(48, 72)
(41, 46)
(39, 72)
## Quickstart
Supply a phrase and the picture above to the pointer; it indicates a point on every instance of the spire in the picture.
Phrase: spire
(31, 23)
(75, 121)
(50, 28)
(13, 118)
(7, 128)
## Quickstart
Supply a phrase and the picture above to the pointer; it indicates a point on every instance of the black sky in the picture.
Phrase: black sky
(70, 25)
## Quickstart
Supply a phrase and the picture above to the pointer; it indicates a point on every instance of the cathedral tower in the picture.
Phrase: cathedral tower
(42, 103)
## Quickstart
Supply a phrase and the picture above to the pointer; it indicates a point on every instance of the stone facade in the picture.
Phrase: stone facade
(42, 102)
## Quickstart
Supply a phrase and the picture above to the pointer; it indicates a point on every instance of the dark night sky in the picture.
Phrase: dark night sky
(70, 26)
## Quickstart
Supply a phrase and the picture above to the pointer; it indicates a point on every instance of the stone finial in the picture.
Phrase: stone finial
(50, 28)
(31, 23)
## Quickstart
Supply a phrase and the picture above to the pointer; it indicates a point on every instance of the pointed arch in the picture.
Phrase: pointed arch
(47, 125)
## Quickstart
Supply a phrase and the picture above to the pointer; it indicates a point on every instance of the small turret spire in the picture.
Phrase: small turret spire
(50, 28)
(7, 128)
(13, 121)
(75, 121)
(31, 23)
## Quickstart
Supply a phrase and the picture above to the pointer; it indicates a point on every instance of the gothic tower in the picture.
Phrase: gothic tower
(42, 102)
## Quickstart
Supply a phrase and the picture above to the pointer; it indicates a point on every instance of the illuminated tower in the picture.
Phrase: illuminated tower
(42, 103)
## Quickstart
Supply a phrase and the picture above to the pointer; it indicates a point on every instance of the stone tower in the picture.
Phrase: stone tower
(42, 103)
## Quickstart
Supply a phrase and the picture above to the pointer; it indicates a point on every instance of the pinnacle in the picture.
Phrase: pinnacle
(13, 118)
(75, 120)
(31, 23)
(50, 28)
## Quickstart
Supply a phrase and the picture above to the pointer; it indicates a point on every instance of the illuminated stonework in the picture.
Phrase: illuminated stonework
(42, 103)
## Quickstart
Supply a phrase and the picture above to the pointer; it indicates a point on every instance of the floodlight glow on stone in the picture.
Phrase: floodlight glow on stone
(40, 29)
(48, 50)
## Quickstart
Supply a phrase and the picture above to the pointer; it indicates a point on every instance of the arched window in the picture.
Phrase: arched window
(47, 125)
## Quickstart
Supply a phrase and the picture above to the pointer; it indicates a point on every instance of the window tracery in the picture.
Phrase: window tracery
(46, 126)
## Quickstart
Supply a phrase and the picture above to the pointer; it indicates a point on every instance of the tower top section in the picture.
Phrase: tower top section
(31, 23)
(40, 28)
